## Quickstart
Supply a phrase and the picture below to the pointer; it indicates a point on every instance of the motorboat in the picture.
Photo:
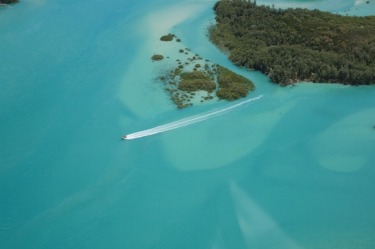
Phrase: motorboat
(124, 137)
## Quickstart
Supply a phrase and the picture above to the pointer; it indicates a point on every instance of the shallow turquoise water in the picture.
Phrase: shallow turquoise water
(294, 169)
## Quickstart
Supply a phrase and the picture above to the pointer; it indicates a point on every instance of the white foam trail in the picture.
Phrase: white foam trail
(186, 121)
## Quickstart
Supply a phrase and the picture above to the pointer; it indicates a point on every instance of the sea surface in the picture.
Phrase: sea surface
(290, 167)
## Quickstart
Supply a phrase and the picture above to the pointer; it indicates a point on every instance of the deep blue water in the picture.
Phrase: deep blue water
(294, 169)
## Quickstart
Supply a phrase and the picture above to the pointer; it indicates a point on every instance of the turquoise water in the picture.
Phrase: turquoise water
(294, 169)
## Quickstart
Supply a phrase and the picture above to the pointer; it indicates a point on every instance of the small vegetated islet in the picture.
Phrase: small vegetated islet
(168, 37)
(157, 57)
(183, 82)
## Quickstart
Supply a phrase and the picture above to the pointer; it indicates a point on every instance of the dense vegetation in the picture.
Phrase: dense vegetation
(232, 86)
(157, 57)
(195, 81)
(214, 79)
(168, 37)
(295, 45)
(8, 1)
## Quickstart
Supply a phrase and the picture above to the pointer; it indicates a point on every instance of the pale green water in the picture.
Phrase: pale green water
(294, 169)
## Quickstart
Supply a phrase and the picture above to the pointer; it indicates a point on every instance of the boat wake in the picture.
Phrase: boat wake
(186, 121)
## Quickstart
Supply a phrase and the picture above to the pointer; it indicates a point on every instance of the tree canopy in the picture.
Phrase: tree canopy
(8, 1)
(295, 45)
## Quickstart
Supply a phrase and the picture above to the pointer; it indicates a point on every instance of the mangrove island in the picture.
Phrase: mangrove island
(191, 79)
(294, 45)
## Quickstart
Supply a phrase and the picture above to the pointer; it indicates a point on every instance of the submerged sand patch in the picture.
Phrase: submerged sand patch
(138, 90)
(343, 146)
(216, 144)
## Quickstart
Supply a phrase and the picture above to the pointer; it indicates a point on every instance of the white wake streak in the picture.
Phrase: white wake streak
(186, 121)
